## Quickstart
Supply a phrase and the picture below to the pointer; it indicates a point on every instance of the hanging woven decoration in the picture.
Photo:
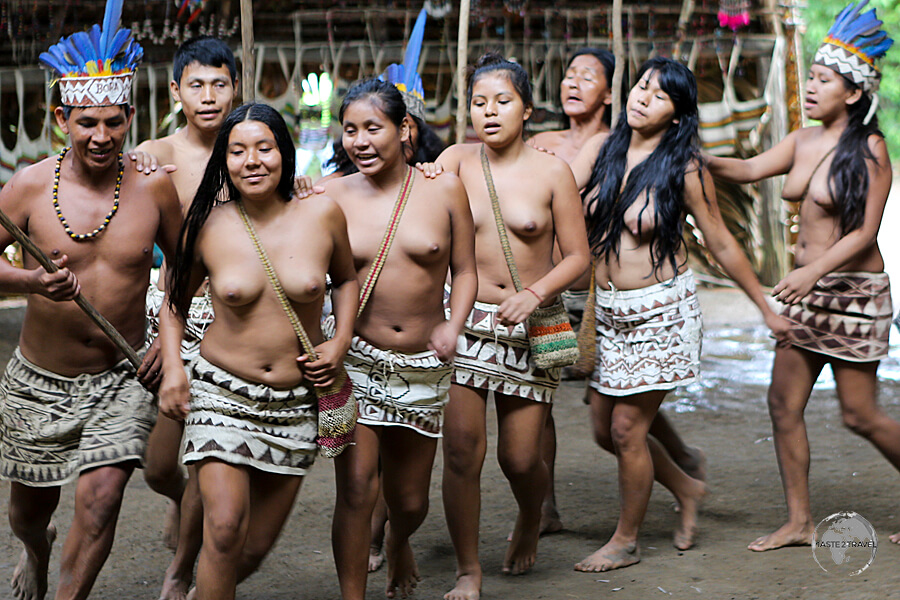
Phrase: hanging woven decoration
(192, 8)
(734, 14)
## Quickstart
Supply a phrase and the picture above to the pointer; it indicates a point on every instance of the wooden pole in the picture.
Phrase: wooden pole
(248, 57)
(49, 266)
(619, 53)
(462, 60)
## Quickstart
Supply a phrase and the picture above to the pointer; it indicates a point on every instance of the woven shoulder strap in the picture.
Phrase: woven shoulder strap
(498, 219)
(378, 263)
(276, 285)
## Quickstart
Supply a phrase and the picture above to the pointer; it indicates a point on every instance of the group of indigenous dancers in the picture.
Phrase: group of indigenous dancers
(397, 277)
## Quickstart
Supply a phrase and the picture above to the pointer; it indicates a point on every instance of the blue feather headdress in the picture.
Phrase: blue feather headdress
(405, 77)
(853, 44)
(95, 67)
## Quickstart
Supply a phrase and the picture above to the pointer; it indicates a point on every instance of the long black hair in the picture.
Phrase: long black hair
(492, 62)
(608, 61)
(848, 176)
(217, 187)
(660, 175)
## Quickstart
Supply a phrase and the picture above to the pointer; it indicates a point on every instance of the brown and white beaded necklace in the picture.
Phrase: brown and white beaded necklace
(85, 236)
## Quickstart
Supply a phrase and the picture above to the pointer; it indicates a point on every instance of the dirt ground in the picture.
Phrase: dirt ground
(725, 416)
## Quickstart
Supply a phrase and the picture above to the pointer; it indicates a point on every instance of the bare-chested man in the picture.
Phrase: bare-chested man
(205, 80)
(72, 408)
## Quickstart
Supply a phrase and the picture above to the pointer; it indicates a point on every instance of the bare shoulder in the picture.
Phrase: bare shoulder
(30, 179)
(878, 148)
(157, 183)
(458, 153)
(321, 205)
(447, 183)
(545, 138)
(163, 149)
(548, 163)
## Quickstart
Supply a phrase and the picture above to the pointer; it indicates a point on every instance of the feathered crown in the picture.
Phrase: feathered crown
(853, 44)
(405, 77)
(95, 67)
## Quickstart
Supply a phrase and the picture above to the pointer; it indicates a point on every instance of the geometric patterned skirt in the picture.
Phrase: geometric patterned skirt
(241, 422)
(846, 316)
(649, 338)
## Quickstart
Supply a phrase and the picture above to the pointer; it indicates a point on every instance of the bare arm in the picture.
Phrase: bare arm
(799, 282)
(463, 271)
(724, 248)
(777, 160)
(345, 297)
(61, 285)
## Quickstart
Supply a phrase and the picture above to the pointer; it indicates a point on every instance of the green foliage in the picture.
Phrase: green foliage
(819, 16)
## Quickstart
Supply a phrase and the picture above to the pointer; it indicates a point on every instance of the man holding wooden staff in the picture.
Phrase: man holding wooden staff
(71, 408)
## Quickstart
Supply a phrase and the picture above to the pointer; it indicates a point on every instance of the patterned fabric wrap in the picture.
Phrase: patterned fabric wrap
(497, 358)
(200, 316)
(648, 339)
(551, 338)
(393, 388)
(54, 427)
(241, 422)
(853, 44)
(846, 316)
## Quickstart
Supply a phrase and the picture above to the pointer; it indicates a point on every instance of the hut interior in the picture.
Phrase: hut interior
(307, 52)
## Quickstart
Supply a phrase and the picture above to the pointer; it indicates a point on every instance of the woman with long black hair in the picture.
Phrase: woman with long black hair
(250, 406)
(647, 177)
(838, 297)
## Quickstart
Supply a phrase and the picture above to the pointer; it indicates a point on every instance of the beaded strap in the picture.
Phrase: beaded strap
(378, 263)
(85, 236)
(498, 218)
(276, 285)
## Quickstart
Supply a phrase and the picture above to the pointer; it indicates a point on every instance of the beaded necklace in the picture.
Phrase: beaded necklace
(85, 236)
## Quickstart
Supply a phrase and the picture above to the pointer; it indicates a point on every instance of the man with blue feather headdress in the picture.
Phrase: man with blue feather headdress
(72, 407)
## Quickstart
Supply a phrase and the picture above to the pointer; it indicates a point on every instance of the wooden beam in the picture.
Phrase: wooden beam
(619, 53)
(462, 60)
(248, 57)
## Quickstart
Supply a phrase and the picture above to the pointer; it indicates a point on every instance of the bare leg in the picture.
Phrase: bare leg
(164, 473)
(628, 421)
(691, 460)
(465, 445)
(407, 458)
(521, 423)
(356, 479)
(550, 521)
(379, 521)
(98, 498)
(225, 490)
(794, 372)
(30, 511)
(180, 572)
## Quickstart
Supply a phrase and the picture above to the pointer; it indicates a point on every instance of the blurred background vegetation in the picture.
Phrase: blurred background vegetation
(819, 16)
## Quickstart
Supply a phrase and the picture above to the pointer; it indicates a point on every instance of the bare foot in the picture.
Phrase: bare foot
(522, 550)
(895, 538)
(689, 504)
(695, 464)
(550, 521)
(611, 556)
(787, 535)
(171, 525)
(376, 558)
(403, 573)
(29, 580)
(468, 587)
(174, 587)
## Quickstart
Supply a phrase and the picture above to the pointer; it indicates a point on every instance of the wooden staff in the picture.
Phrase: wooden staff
(462, 58)
(248, 64)
(80, 300)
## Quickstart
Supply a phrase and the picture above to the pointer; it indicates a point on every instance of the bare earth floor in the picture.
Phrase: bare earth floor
(725, 415)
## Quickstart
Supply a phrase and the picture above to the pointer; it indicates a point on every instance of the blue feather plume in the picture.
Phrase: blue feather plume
(413, 51)
(861, 31)
(111, 18)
